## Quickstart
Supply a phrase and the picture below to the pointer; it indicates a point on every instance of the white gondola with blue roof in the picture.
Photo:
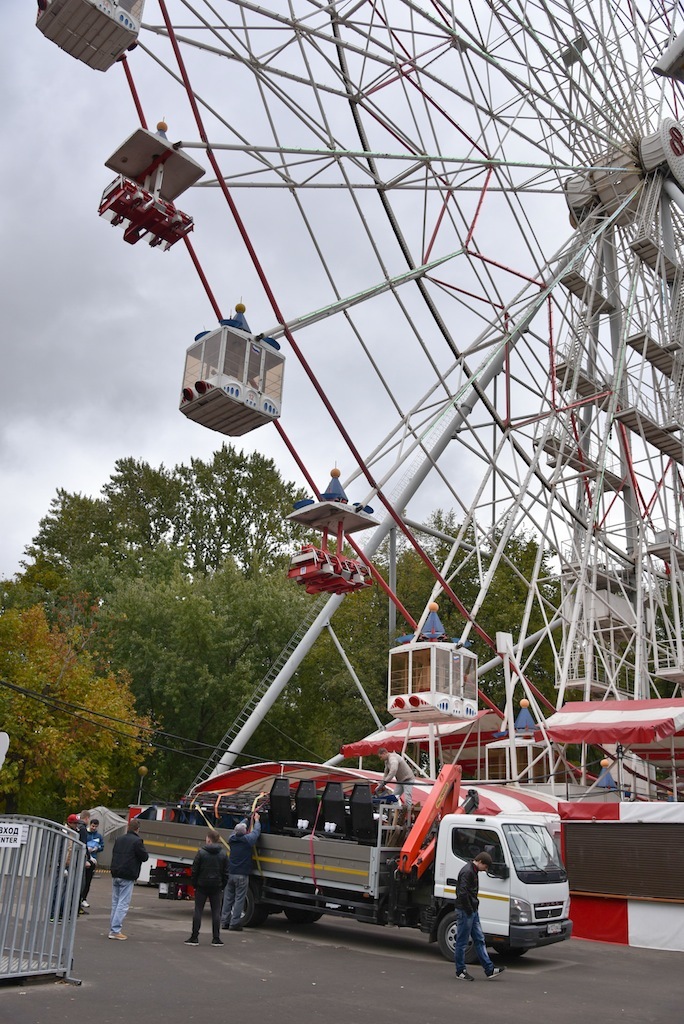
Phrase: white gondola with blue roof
(432, 678)
(233, 380)
(96, 32)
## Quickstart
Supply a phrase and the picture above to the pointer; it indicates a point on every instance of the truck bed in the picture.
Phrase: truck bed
(336, 863)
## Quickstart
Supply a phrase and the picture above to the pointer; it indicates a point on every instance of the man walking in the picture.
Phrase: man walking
(396, 768)
(468, 926)
(209, 878)
(128, 855)
(239, 870)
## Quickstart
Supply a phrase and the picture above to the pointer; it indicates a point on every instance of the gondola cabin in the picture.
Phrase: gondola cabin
(233, 381)
(432, 680)
(96, 32)
(152, 173)
(327, 569)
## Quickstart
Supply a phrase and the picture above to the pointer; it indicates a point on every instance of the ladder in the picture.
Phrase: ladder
(225, 744)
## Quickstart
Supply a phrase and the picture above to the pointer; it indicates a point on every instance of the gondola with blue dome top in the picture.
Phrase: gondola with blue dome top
(233, 380)
(324, 569)
(432, 677)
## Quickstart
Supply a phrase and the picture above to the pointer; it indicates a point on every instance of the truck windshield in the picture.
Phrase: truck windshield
(535, 855)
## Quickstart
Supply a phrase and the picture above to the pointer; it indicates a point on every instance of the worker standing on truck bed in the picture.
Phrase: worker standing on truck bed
(398, 770)
(209, 878)
(239, 870)
(467, 905)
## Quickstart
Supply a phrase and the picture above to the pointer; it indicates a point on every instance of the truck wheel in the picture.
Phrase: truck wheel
(446, 939)
(298, 915)
(253, 914)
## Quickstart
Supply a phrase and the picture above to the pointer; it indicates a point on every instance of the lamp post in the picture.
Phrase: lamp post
(142, 772)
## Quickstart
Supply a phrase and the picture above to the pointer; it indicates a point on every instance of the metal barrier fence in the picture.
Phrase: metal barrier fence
(41, 875)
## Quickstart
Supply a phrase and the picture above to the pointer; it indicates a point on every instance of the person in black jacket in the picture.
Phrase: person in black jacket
(128, 855)
(242, 844)
(209, 877)
(468, 926)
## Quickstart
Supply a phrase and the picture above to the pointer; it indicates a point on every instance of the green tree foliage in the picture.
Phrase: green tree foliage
(61, 758)
(195, 648)
(230, 507)
(186, 572)
(189, 600)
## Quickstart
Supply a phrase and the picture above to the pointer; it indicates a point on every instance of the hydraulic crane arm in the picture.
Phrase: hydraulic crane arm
(443, 799)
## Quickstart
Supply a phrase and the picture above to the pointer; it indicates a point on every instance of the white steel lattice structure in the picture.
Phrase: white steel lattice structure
(479, 208)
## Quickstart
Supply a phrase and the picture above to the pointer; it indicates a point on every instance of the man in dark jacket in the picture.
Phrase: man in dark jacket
(468, 926)
(239, 870)
(209, 877)
(128, 855)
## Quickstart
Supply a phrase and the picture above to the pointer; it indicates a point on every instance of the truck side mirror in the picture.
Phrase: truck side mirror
(499, 870)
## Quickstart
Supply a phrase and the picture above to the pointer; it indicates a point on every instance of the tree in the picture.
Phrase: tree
(74, 733)
(233, 506)
(195, 647)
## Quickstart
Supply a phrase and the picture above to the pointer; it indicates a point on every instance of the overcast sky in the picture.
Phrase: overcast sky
(94, 331)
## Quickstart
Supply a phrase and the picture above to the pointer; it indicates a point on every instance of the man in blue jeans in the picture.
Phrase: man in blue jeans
(468, 926)
(239, 869)
(128, 855)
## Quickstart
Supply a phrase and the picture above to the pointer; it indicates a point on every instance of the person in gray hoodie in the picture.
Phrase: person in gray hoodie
(209, 877)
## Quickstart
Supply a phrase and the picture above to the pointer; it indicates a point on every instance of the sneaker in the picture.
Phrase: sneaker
(117, 935)
(217, 942)
(82, 912)
(225, 927)
(192, 941)
(235, 928)
(84, 903)
(496, 972)
(464, 976)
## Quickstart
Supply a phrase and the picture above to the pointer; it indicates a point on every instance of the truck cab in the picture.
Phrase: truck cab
(524, 898)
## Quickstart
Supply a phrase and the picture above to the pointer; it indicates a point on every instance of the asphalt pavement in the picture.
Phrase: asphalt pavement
(334, 971)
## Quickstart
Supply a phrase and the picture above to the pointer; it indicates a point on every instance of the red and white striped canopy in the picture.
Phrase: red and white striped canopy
(654, 729)
(469, 733)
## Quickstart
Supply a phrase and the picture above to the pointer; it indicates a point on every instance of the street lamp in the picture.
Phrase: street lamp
(142, 772)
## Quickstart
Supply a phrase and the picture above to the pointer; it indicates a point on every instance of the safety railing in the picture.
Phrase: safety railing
(41, 876)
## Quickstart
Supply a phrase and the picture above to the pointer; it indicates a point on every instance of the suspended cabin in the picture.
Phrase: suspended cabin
(322, 570)
(432, 678)
(233, 381)
(96, 32)
(152, 173)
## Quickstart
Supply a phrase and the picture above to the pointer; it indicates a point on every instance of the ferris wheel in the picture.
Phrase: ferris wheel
(467, 226)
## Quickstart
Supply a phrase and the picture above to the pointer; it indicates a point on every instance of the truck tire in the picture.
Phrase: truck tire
(446, 939)
(299, 915)
(253, 914)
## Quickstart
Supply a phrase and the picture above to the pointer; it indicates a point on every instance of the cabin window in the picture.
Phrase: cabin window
(254, 366)
(234, 357)
(468, 843)
(421, 671)
(470, 678)
(212, 345)
(442, 662)
(273, 375)
(134, 7)
(399, 666)
(193, 365)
